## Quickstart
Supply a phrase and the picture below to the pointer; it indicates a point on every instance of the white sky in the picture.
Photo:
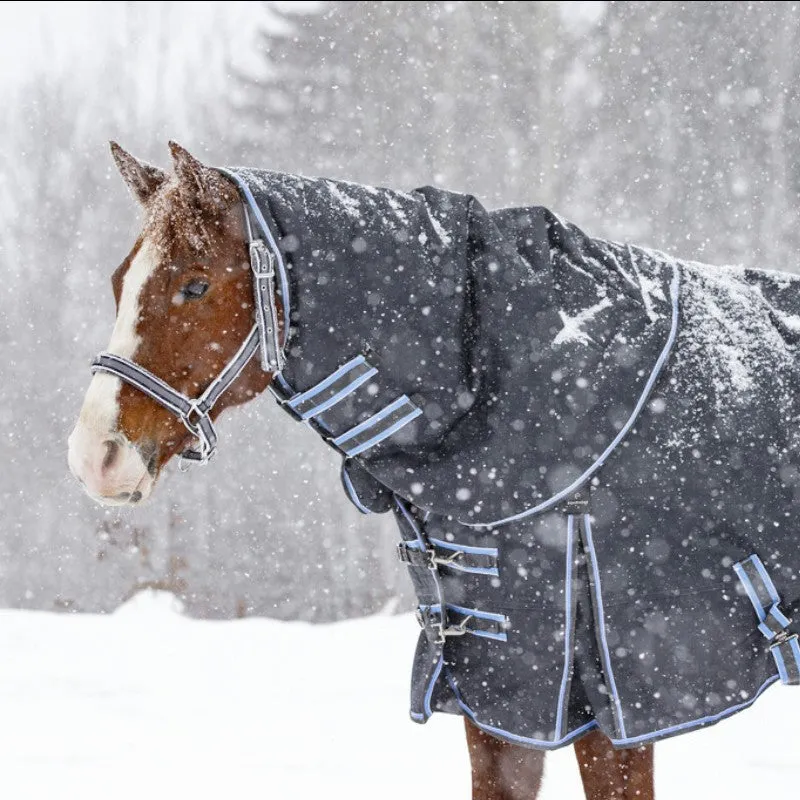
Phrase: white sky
(52, 35)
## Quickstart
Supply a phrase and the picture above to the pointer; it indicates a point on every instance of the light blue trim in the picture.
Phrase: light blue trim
(542, 744)
(601, 623)
(415, 545)
(431, 685)
(492, 572)
(351, 491)
(779, 616)
(465, 548)
(744, 578)
(251, 201)
(674, 290)
(765, 577)
(698, 722)
(417, 717)
(565, 675)
(379, 437)
(781, 664)
(765, 631)
(501, 618)
(795, 645)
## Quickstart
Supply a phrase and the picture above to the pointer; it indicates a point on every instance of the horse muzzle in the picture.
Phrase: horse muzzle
(111, 469)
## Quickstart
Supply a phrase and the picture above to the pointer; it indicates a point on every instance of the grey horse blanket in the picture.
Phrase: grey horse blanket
(591, 449)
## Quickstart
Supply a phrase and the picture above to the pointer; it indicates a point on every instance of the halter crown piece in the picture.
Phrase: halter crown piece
(195, 413)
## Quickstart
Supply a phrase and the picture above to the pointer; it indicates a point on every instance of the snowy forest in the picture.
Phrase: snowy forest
(672, 125)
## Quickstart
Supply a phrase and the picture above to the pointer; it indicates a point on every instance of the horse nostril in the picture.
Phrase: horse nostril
(136, 497)
(112, 452)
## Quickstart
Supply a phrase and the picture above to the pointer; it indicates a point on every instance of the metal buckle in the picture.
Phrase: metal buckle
(262, 262)
(193, 425)
(782, 638)
(435, 628)
(446, 560)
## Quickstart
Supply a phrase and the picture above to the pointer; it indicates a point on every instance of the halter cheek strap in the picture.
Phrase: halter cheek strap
(195, 413)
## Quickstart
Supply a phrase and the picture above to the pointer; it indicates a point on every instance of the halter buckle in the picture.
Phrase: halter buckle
(262, 262)
(193, 424)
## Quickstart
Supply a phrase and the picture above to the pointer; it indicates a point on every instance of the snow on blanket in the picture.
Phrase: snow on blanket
(145, 703)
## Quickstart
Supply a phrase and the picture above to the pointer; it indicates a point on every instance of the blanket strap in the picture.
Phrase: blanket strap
(449, 555)
(332, 389)
(378, 427)
(772, 622)
(458, 621)
(262, 265)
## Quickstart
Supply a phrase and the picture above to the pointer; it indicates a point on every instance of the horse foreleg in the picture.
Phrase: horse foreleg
(610, 774)
(502, 771)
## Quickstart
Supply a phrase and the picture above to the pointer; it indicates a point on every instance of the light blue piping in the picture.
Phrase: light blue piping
(674, 290)
(348, 484)
(379, 437)
(765, 577)
(251, 201)
(750, 589)
(416, 716)
(567, 630)
(429, 691)
(781, 618)
(601, 623)
(514, 737)
(435, 675)
(368, 423)
(778, 656)
(696, 722)
(465, 548)
(502, 618)
(795, 645)
(492, 572)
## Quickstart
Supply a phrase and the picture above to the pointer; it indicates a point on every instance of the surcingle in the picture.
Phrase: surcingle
(591, 450)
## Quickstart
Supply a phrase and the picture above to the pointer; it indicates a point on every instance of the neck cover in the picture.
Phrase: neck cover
(591, 450)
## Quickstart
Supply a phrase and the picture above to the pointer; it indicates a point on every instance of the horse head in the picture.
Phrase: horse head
(184, 303)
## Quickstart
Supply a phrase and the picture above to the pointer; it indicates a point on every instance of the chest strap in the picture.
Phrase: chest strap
(458, 621)
(772, 622)
(450, 555)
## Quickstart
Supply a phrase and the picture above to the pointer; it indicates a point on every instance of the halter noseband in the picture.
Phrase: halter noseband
(195, 413)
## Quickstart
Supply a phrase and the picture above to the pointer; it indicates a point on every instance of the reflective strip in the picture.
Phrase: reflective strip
(378, 427)
(772, 622)
(334, 388)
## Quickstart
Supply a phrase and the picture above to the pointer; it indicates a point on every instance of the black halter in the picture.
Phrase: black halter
(195, 413)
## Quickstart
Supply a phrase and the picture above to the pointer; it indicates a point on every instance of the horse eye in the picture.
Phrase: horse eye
(194, 289)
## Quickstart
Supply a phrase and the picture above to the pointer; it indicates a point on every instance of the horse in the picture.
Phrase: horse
(196, 301)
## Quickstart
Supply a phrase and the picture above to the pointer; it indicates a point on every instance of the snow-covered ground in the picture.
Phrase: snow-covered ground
(148, 704)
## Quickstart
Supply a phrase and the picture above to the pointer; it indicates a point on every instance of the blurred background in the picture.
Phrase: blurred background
(674, 125)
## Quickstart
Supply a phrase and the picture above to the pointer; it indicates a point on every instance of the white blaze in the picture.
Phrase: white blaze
(101, 406)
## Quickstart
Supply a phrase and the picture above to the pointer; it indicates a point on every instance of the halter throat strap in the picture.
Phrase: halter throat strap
(264, 338)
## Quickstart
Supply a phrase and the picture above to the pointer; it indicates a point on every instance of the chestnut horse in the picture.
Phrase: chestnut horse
(184, 306)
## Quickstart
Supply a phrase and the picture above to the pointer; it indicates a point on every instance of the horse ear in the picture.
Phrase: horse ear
(142, 179)
(211, 188)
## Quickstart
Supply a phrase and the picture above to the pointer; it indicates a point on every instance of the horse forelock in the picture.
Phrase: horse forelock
(177, 217)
